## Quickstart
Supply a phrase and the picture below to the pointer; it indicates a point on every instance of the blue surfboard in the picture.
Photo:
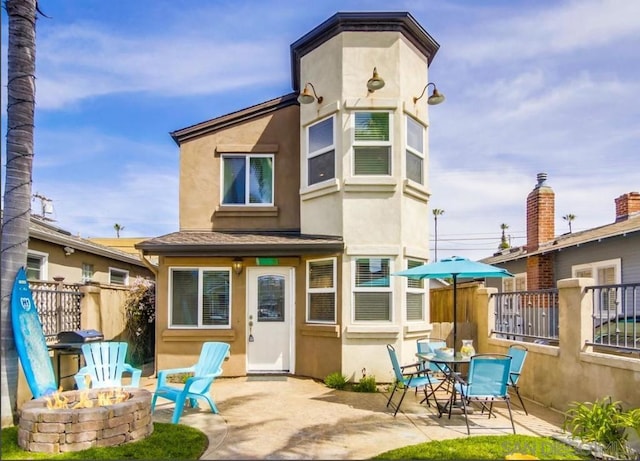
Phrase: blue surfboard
(29, 339)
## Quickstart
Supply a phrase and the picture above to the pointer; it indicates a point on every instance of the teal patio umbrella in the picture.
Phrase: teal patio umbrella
(456, 268)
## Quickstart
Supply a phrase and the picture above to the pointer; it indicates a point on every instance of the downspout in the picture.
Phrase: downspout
(152, 267)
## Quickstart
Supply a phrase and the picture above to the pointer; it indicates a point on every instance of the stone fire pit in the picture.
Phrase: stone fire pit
(60, 430)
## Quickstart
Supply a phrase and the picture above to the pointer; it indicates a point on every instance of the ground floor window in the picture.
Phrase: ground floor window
(321, 291)
(372, 290)
(118, 276)
(37, 265)
(415, 295)
(199, 297)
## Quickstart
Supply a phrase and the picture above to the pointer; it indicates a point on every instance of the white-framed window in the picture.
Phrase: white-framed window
(415, 150)
(372, 144)
(606, 272)
(516, 283)
(372, 294)
(416, 295)
(321, 291)
(247, 179)
(321, 151)
(37, 263)
(118, 276)
(199, 297)
(87, 272)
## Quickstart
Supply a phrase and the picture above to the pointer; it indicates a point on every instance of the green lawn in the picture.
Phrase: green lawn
(168, 441)
(487, 447)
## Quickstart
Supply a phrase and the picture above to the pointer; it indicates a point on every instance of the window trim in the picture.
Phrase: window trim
(122, 271)
(324, 150)
(332, 289)
(515, 279)
(355, 144)
(247, 157)
(409, 149)
(604, 264)
(44, 263)
(355, 290)
(200, 270)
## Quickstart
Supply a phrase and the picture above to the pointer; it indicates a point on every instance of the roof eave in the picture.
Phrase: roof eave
(240, 249)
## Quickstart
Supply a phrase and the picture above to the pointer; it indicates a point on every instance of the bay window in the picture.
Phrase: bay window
(415, 151)
(415, 295)
(372, 290)
(321, 152)
(372, 144)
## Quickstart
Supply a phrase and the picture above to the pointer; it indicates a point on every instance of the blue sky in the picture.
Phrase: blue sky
(531, 86)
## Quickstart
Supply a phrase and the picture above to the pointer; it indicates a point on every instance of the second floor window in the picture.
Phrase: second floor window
(321, 152)
(36, 265)
(372, 144)
(247, 180)
(415, 150)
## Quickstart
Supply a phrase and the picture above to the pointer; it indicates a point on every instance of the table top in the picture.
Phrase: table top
(439, 359)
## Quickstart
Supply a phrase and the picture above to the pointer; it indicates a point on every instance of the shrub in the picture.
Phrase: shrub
(366, 384)
(336, 380)
(603, 423)
(140, 312)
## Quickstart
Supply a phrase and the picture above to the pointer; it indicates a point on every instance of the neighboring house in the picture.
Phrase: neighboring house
(53, 253)
(293, 216)
(609, 254)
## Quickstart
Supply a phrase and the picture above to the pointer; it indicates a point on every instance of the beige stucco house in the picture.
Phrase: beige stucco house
(293, 215)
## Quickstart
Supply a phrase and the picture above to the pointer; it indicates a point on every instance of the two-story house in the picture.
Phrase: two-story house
(294, 212)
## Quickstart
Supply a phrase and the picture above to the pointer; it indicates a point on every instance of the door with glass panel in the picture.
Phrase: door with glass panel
(270, 338)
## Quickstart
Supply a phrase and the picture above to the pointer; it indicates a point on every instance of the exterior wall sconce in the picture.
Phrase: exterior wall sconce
(306, 97)
(435, 98)
(68, 251)
(238, 265)
(375, 82)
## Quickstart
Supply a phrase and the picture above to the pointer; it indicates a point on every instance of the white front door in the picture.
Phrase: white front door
(270, 302)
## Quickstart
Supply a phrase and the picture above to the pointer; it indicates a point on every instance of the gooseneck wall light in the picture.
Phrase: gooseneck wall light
(435, 98)
(306, 97)
(375, 82)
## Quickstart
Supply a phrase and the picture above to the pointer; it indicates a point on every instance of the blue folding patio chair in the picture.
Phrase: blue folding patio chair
(435, 372)
(197, 386)
(407, 379)
(518, 354)
(486, 384)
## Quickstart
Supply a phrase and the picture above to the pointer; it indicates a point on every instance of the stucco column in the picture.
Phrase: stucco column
(575, 317)
(90, 308)
(484, 304)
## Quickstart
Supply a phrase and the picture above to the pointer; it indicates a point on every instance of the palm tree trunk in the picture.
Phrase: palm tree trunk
(21, 65)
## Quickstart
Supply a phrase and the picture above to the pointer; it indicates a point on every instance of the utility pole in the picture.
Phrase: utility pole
(436, 212)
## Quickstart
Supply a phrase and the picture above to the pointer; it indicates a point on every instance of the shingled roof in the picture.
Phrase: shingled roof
(193, 243)
(597, 234)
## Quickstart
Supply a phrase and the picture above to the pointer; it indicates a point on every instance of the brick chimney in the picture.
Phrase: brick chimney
(540, 230)
(627, 204)
(540, 214)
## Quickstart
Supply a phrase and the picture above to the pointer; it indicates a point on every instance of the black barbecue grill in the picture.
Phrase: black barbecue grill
(70, 343)
(80, 336)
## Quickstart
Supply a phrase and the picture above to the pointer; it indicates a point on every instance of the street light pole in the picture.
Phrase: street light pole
(436, 212)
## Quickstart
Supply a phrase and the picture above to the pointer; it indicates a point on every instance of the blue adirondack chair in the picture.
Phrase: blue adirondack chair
(208, 368)
(105, 366)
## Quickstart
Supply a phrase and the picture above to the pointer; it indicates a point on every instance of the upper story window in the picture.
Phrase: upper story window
(321, 153)
(118, 276)
(416, 295)
(87, 272)
(247, 179)
(37, 265)
(321, 291)
(415, 151)
(199, 297)
(516, 283)
(372, 290)
(372, 144)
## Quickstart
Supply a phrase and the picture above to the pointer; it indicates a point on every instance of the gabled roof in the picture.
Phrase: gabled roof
(234, 118)
(621, 228)
(194, 243)
(401, 22)
(47, 232)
